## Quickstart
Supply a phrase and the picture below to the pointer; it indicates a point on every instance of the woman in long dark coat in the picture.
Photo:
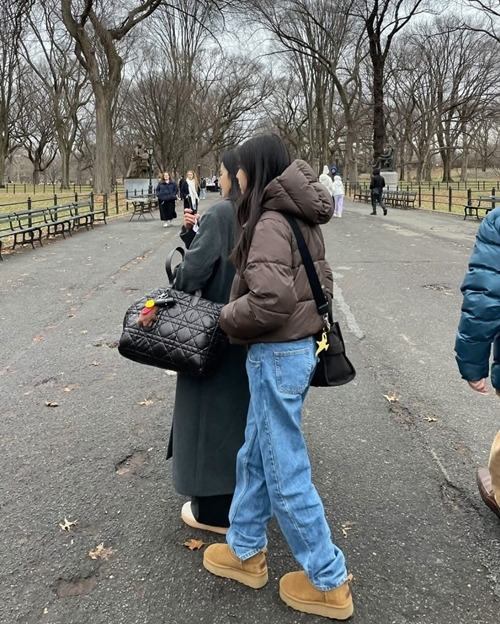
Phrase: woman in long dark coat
(210, 414)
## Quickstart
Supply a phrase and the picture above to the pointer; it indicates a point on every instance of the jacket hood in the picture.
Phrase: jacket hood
(489, 230)
(326, 170)
(297, 192)
(337, 178)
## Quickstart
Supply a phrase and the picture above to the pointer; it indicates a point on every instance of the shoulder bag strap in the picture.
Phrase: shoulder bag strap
(319, 295)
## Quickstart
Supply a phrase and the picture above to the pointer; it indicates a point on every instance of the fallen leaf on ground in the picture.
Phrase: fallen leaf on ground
(430, 418)
(67, 524)
(193, 544)
(96, 363)
(392, 398)
(51, 404)
(347, 526)
(146, 402)
(100, 552)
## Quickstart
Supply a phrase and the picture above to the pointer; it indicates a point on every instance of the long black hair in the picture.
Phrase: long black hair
(230, 162)
(262, 159)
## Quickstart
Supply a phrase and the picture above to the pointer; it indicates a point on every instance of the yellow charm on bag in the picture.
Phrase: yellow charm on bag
(322, 344)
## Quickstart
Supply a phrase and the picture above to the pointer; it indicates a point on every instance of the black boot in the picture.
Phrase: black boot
(385, 211)
(373, 213)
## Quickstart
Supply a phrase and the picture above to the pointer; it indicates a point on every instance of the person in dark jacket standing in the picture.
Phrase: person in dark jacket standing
(209, 417)
(166, 192)
(377, 184)
(478, 332)
(272, 310)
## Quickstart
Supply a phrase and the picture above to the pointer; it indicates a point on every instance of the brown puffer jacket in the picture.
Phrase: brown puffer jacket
(272, 301)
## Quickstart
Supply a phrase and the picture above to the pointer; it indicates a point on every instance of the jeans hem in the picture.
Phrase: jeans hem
(248, 553)
(323, 588)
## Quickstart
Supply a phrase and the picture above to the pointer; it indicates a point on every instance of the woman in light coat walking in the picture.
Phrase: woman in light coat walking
(338, 195)
(326, 180)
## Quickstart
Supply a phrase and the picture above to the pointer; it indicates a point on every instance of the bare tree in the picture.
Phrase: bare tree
(84, 147)
(187, 94)
(486, 18)
(327, 51)
(60, 75)
(174, 82)
(89, 22)
(35, 127)
(12, 20)
(383, 20)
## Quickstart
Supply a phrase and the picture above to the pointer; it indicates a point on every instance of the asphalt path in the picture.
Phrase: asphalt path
(84, 433)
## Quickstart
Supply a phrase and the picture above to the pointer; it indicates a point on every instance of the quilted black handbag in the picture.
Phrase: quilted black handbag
(334, 367)
(185, 337)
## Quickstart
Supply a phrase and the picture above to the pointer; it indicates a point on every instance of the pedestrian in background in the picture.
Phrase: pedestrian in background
(338, 195)
(326, 180)
(377, 184)
(190, 191)
(166, 192)
(272, 309)
(479, 332)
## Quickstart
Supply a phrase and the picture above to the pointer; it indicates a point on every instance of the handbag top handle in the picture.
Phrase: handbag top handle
(168, 263)
(319, 296)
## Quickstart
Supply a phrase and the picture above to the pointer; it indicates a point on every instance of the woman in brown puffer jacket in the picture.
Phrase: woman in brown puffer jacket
(272, 309)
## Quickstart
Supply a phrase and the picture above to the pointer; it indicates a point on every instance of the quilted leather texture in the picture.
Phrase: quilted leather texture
(186, 336)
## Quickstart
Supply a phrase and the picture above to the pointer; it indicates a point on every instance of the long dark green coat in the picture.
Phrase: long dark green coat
(210, 414)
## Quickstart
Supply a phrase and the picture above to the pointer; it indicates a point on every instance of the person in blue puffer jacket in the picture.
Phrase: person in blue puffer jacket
(166, 192)
(478, 331)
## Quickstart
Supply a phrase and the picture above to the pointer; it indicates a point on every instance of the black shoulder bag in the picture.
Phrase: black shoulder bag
(334, 367)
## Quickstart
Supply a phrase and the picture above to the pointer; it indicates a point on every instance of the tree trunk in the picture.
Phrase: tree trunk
(65, 155)
(465, 154)
(36, 173)
(102, 174)
(378, 106)
(2, 166)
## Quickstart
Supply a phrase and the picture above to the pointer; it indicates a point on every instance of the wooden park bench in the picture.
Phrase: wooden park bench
(60, 219)
(27, 226)
(484, 203)
(85, 213)
(362, 195)
(9, 228)
(400, 199)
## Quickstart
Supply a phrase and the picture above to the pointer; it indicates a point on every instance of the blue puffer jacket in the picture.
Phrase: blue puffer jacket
(166, 191)
(479, 326)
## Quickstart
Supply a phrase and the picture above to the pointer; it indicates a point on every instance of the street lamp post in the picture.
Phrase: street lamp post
(149, 151)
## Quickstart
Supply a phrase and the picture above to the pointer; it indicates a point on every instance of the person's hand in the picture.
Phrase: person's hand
(189, 218)
(147, 316)
(479, 386)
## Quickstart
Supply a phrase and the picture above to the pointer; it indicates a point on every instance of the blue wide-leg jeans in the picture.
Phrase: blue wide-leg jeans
(273, 472)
